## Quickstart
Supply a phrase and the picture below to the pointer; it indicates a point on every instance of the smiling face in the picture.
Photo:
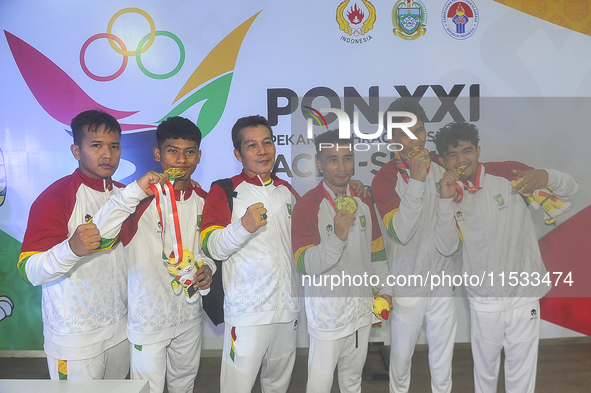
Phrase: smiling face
(465, 154)
(98, 153)
(257, 152)
(409, 144)
(337, 165)
(179, 153)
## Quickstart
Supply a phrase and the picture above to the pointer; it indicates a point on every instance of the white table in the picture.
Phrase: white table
(49, 386)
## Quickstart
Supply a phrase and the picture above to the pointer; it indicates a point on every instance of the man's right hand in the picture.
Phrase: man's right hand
(418, 166)
(150, 178)
(253, 218)
(342, 222)
(85, 239)
(447, 185)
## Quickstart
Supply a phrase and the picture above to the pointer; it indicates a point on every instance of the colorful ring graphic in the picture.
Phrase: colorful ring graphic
(83, 53)
(172, 73)
(145, 15)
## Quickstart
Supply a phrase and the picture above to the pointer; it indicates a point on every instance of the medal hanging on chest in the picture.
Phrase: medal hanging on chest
(342, 202)
(179, 261)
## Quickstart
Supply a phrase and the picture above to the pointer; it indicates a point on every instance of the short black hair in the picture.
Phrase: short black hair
(93, 119)
(331, 137)
(451, 133)
(406, 104)
(245, 122)
(177, 127)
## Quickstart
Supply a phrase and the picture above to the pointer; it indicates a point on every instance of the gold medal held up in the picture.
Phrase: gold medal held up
(175, 172)
(415, 152)
(346, 203)
(460, 171)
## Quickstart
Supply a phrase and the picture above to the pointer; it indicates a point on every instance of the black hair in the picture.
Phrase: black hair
(93, 119)
(331, 137)
(245, 122)
(452, 133)
(178, 128)
(406, 104)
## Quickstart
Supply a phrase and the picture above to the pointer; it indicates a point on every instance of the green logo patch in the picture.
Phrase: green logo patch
(499, 200)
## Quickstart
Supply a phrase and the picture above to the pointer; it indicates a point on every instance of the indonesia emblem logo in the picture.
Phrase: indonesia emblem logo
(460, 18)
(356, 18)
(409, 18)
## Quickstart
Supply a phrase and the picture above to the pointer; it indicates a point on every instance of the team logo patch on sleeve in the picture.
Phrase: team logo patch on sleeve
(199, 220)
(362, 221)
(288, 208)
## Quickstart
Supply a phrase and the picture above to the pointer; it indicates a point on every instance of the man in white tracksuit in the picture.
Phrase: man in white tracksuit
(500, 241)
(164, 328)
(344, 244)
(261, 283)
(84, 293)
(413, 196)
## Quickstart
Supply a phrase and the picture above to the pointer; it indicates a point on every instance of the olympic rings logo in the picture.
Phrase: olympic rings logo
(143, 45)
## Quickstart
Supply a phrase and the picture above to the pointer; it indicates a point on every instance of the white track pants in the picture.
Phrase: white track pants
(516, 330)
(111, 364)
(247, 348)
(349, 353)
(406, 322)
(177, 360)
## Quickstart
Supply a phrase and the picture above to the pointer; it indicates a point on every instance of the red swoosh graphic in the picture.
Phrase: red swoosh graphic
(567, 249)
(55, 90)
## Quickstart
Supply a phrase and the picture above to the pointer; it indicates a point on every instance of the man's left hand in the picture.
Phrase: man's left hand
(389, 300)
(203, 277)
(532, 180)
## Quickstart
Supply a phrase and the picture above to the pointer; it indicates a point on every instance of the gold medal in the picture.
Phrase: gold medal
(460, 171)
(175, 172)
(346, 203)
(415, 152)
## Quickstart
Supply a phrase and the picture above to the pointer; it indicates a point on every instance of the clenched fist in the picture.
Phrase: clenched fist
(85, 239)
(255, 217)
(447, 184)
(150, 178)
(418, 166)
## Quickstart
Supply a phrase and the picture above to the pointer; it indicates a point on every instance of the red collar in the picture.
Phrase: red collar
(96, 184)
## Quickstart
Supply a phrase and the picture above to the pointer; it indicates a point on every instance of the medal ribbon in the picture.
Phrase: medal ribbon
(331, 199)
(169, 219)
(472, 188)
